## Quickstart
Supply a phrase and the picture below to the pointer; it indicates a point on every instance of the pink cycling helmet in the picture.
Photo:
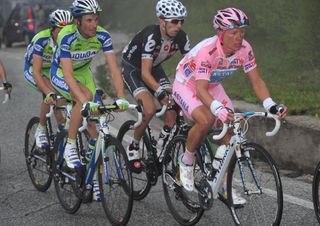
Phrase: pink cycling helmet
(230, 18)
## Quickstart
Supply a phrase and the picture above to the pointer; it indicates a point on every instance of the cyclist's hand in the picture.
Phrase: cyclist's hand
(50, 98)
(7, 87)
(88, 108)
(101, 93)
(279, 109)
(221, 112)
(162, 94)
(122, 103)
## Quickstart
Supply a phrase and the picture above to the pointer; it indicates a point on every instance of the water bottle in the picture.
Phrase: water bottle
(218, 157)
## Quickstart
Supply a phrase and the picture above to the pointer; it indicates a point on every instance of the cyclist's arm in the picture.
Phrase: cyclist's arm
(115, 73)
(258, 84)
(261, 89)
(147, 78)
(3, 74)
(37, 68)
(67, 70)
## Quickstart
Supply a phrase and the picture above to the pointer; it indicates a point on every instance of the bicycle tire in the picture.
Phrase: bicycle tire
(37, 160)
(115, 182)
(66, 189)
(141, 181)
(184, 206)
(260, 209)
(315, 192)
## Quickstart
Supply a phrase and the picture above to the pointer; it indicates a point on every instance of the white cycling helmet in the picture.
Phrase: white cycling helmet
(84, 7)
(60, 18)
(171, 9)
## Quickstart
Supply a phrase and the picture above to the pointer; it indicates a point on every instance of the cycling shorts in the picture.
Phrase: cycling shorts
(132, 78)
(28, 75)
(186, 97)
(83, 76)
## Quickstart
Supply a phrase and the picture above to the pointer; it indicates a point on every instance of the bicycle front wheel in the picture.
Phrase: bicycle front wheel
(316, 192)
(141, 181)
(184, 206)
(37, 159)
(67, 189)
(256, 180)
(115, 182)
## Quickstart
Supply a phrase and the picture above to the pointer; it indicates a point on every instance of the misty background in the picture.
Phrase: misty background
(284, 35)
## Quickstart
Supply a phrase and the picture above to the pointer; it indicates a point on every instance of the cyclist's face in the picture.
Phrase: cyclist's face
(171, 26)
(87, 25)
(233, 38)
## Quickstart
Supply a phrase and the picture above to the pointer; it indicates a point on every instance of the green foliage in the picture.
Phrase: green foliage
(283, 34)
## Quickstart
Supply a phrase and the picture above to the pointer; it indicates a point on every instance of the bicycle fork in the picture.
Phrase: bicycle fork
(252, 170)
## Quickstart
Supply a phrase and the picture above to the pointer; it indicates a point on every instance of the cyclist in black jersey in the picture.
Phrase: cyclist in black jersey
(142, 71)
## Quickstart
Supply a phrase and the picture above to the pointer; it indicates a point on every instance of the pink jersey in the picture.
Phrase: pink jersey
(207, 61)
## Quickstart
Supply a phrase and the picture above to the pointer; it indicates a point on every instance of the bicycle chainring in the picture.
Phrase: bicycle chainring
(205, 194)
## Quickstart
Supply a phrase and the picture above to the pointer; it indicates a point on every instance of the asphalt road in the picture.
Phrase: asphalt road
(21, 204)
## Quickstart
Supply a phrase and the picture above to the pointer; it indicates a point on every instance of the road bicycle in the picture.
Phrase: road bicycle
(109, 161)
(316, 191)
(256, 178)
(150, 161)
(39, 160)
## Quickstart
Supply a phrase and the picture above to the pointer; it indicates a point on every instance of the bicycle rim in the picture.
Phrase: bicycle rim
(66, 188)
(141, 181)
(263, 207)
(184, 206)
(115, 182)
(316, 192)
(37, 160)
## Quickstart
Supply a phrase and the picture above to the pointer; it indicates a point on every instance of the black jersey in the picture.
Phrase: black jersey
(148, 44)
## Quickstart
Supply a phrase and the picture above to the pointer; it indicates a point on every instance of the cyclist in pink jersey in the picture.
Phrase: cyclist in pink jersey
(197, 87)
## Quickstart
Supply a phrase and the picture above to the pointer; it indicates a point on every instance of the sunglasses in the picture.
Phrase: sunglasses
(174, 21)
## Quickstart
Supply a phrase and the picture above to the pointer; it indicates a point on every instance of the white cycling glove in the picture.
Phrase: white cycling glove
(219, 110)
(122, 103)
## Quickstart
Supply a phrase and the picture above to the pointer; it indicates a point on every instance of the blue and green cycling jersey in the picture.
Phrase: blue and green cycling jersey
(42, 45)
(72, 45)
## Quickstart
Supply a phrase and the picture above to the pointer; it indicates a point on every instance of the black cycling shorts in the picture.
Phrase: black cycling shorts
(132, 78)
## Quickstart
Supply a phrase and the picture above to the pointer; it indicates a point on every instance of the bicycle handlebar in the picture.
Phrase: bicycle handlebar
(53, 106)
(6, 96)
(105, 108)
(161, 111)
(239, 116)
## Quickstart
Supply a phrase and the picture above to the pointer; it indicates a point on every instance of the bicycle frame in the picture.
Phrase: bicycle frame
(234, 145)
(104, 132)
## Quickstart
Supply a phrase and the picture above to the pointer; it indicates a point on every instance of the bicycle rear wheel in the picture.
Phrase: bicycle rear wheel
(264, 203)
(37, 159)
(316, 192)
(184, 206)
(115, 182)
(66, 187)
(141, 181)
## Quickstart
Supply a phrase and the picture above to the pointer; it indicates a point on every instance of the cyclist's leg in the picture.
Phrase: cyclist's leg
(194, 109)
(40, 134)
(139, 90)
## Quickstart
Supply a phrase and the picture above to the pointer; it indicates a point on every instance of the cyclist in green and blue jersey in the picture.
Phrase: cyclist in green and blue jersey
(38, 60)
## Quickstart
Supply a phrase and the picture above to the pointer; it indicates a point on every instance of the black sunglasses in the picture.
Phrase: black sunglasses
(174, 21)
